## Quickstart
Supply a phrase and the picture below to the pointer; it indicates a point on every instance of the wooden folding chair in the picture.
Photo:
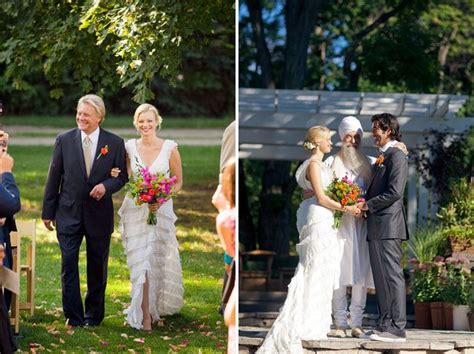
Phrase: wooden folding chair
(15, 304)
(27, 228)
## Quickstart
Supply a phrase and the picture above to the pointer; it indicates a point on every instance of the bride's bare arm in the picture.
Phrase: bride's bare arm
(315, 180)
(176, 168)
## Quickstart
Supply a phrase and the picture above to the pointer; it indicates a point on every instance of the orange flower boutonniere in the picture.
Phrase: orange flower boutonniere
(380, 160)
(103, 151)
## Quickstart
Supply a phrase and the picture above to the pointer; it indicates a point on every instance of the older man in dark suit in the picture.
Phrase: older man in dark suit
(387, 228)
(78, 200)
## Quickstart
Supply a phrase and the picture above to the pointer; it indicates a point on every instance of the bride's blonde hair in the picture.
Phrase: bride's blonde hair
(145, 107)
(314, 136)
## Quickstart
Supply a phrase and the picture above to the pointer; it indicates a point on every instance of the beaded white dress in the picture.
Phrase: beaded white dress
(151, 250)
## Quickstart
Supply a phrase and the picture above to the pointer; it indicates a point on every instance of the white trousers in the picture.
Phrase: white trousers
(356, 309)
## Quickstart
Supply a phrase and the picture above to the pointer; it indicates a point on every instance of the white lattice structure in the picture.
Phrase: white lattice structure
(273, 124)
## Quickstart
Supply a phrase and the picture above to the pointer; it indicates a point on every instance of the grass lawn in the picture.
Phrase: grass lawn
(197, 329)
(115, 121)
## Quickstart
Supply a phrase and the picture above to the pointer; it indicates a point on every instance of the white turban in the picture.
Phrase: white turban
(349, 124)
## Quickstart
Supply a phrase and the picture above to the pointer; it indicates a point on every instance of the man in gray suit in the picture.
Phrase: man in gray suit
(387, 228)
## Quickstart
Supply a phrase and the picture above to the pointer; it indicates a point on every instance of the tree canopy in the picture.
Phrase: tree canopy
(371, 45)
(106, 46)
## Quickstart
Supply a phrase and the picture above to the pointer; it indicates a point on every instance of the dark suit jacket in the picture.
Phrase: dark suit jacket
(9, 196)
(386, 218)
(9, 205)
(66, 195)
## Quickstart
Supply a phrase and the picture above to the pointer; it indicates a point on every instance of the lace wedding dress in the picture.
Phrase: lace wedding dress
(151, 250)
(306, 314)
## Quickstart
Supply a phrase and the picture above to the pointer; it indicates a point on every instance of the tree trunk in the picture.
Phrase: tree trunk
(263, 54)
(274, 218)
(442, 57)
(277, 182)
(300, 18)
(246, 225)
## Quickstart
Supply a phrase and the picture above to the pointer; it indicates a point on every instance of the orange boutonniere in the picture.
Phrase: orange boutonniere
(380, 160)
(103, 151)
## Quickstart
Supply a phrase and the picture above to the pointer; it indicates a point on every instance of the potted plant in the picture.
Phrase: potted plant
(423, 291)
(423, 246)
(454, 291)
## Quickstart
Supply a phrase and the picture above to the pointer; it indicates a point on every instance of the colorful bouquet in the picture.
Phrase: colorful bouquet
(151, 188)
(346, 192)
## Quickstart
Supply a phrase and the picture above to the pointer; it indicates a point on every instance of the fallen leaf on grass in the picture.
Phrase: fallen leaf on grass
(34, 345)
(124, 335)
(61, 341)
(139, 340)
(104, 343)
(165, 337)
(185, 342)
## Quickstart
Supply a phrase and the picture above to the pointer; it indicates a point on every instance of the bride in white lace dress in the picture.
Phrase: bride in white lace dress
(306, 314)
(152, 250)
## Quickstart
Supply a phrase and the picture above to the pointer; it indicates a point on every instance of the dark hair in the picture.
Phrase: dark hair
(386, 121)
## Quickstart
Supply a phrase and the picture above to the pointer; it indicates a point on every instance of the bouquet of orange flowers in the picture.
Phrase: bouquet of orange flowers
(150, 188)
(346, 192)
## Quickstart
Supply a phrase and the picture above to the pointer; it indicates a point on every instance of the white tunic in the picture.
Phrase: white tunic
(352, 235)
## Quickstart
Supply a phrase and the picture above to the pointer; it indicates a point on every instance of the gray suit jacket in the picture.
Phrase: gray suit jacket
(386, 217)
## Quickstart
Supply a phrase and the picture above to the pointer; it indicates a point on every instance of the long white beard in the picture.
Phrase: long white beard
(355, 162)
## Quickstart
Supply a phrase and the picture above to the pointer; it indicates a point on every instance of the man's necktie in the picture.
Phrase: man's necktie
(86, 147)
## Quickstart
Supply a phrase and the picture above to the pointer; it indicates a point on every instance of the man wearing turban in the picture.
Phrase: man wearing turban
(352, 234)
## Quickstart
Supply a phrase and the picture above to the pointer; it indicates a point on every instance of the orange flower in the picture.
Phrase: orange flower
(103, 151)
(380, 160)
(344, 201)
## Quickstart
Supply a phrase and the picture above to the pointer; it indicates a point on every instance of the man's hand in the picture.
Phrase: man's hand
(98, 191)
(363, 206)
(49, 224)
(402, 147)
(6, 162)
(307, 194)
(2, 221)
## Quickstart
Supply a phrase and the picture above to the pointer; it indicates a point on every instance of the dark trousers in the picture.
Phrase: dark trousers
(7, 343)
(385, 256)
(97, 248)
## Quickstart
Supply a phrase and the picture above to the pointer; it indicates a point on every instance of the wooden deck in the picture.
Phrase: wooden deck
(419, 341)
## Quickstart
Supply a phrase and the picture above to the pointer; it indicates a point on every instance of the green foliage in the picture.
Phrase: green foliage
(460, 211)
(424, 282)
(470, 299)
(445, 178)
(60, 51)
(441, 279)
(425, 47)
(454, 281)
(426, 243)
